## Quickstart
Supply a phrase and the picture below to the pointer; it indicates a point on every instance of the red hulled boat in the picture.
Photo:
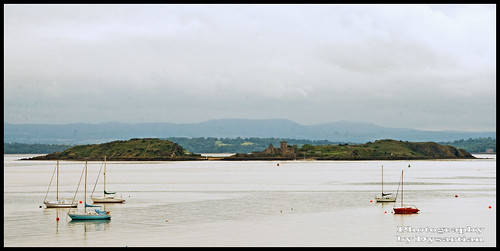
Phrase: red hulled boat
(405, 209)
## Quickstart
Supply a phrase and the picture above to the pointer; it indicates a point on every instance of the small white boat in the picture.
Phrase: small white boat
(88, 214)
(107, 197)
(58, 203)
(62, 203)
(385, 197)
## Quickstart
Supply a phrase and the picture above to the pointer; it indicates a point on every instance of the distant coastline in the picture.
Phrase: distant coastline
(223, 146)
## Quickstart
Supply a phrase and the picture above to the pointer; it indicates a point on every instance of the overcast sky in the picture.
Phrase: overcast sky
(430, 67)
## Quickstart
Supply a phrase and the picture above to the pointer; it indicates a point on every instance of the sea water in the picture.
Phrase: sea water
(255, 203)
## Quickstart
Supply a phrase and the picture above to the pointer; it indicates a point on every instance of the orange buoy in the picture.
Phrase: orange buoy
(57, 219)
(371, 200)
(489, 207)
(80, 202)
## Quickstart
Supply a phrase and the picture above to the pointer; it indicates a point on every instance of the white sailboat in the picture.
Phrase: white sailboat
(58, 203)
(107, 197)
(92, 214)
(385, 197)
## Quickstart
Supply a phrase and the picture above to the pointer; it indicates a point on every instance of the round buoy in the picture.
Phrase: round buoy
(489, 207)
(166, 220)
(80, 202)
(278, 164)
(456, 196)
(57, 219)
(40, 206)
(371, 200)
(385, 212)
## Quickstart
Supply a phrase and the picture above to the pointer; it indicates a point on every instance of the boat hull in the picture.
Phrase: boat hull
(405, 210)
(96, 214)
(89, 217)
(107, 200)
(60, 204)
(385, 199)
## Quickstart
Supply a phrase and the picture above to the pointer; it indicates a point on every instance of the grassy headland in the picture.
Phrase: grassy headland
(379, 150)
(133, 149)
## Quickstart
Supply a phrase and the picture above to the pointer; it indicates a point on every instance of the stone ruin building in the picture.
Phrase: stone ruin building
(284, 149)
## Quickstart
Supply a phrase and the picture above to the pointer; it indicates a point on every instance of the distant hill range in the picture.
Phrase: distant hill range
(341, 131)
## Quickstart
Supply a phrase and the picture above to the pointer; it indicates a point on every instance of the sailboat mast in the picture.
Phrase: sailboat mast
(382, 180)
(57, 182)
(104, 175)
(85, 197)
(402, 187)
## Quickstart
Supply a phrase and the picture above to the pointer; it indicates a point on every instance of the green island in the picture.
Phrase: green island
(386, 149)
(153, 149)
(133, 149)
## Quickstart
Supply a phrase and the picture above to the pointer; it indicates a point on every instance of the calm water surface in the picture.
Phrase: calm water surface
(256, 203)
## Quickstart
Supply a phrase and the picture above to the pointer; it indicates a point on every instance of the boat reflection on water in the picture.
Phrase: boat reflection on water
(90, 225)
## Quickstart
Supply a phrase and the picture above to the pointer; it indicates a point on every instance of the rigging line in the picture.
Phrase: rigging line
(97, 179)
(73, 200)
(50, 183)
(397, 192)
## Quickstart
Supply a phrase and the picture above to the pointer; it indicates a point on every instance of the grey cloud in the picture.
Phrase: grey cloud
(402, 65)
